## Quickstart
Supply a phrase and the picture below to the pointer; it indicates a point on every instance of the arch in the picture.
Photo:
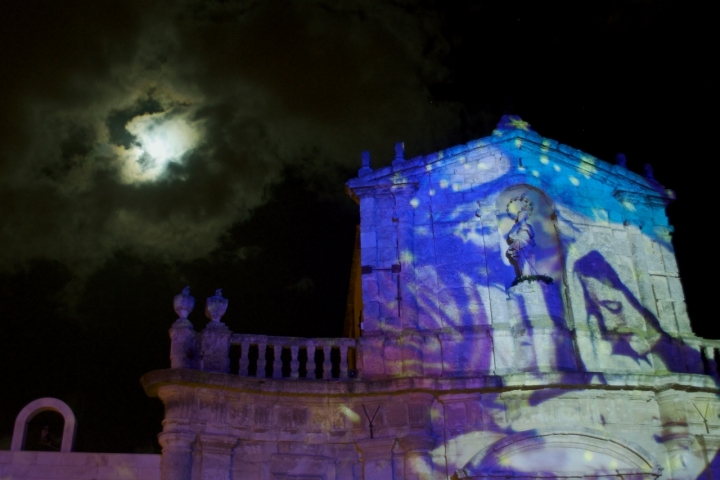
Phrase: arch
(623, 457)
(544, 246)
(43, 405)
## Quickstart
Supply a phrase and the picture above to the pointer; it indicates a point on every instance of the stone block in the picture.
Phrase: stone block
(368, 256)
(469, 353)
(368, 239)
(455, 414)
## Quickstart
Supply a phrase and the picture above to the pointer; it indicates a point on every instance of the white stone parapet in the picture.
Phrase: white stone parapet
(262, 352)
(262, 355)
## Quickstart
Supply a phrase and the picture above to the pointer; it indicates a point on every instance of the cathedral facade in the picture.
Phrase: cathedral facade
(515, 312)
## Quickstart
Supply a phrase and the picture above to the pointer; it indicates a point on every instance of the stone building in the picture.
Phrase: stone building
(515, 311)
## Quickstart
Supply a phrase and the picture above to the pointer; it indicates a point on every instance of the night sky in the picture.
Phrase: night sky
(149, 145)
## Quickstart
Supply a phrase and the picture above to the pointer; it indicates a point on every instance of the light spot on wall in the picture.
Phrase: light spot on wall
(415, 202)
(588, 167)
(600, 214)
(536, 173)
(574, 181)
(444, 183)
(556, 167)
(628, 206)
(518, 143)
(349, 414)
(544, 159)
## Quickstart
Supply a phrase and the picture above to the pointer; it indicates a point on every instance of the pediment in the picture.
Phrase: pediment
(515, 150)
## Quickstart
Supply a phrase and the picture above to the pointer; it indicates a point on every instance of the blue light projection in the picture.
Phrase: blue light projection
(475, 229)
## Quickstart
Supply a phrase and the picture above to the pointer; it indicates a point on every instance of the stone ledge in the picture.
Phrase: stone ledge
(152, 381)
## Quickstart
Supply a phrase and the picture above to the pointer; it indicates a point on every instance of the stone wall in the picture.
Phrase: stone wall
(601, 242)
(322, 429)
(78, 466)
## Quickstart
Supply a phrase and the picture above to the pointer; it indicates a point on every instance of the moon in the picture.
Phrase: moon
(161, 138)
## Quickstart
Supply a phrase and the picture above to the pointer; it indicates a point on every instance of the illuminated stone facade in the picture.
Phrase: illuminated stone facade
(521, 317)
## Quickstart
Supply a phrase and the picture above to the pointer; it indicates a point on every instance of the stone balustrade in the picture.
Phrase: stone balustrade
(481, 351)
(709, 351)
(261, 356)
(293, 357)
(217, 349)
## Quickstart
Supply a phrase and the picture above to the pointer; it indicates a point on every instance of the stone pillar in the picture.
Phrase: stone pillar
(370, 356)
(405, 224)
(182, 344)
(376, 458)
(217, 455)
(418, 460)
(676, 437)
(176, 461)
(215, 348)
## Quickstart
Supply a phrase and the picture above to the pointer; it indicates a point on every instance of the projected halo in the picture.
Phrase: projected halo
(518, 204)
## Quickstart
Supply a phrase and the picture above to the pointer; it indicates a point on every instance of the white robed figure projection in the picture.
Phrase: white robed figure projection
(521, 236)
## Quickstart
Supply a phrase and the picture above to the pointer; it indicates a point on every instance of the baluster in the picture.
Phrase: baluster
(244, 359)
(261, 363)
(277, 361)
(294, 362)
(310, 360)
(711, 362)
(327, 364)
(343, 361)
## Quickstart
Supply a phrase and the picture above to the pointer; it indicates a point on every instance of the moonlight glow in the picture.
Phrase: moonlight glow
(161, 138)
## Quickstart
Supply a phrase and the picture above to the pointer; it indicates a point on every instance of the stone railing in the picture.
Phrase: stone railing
(217, 349)
(709, 352)
(292, 357)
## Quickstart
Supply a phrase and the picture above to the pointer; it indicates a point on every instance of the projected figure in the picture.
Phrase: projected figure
(521, 236)
(618, 312)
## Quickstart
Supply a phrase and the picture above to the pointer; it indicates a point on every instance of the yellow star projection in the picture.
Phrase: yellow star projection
(519, 124)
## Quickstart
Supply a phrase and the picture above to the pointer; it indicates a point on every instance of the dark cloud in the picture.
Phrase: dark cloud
(260, 85)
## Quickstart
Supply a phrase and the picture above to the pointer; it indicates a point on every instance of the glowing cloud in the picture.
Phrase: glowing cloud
(162, 138)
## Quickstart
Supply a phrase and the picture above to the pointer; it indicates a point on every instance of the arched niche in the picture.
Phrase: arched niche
(526, 220)
(560, 453)
(43, 405)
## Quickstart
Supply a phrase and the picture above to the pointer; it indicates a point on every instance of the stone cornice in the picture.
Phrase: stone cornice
(154, 380)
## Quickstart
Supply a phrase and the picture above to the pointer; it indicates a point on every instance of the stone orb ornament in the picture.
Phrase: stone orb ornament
(183, 303)
(216, 306)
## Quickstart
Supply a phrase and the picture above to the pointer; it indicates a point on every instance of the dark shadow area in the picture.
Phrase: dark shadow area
(45, 432)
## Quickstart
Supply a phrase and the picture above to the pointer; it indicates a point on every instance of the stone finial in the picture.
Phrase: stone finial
(216, 306)
(183, 303)
(620, 160)
(399, 154)
(364, 164)
(648, 172)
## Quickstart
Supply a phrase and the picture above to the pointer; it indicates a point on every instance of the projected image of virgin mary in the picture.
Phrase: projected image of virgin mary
(521, 236)
(611, 304)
